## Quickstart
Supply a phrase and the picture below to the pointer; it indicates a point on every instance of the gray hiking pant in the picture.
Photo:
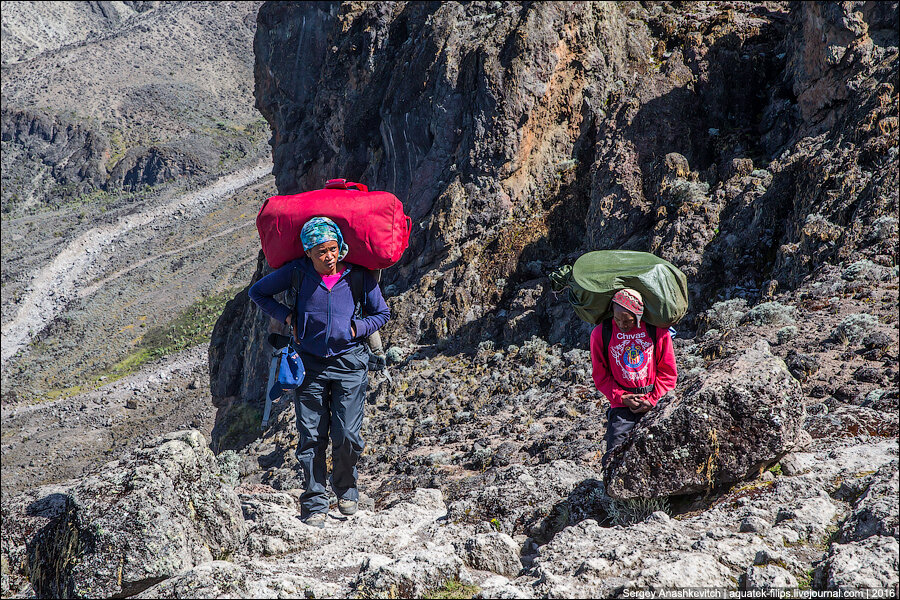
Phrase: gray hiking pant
(619, 423)
(329, 403)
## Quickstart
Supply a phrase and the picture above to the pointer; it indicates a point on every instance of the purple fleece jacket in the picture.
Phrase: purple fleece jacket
(324, 316)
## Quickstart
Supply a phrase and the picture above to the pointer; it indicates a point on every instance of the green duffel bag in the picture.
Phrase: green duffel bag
(596, 276)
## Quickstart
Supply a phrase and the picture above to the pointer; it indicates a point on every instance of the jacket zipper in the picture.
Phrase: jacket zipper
(328, 350)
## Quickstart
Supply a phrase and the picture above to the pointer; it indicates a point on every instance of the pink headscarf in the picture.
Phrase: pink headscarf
(631, 301)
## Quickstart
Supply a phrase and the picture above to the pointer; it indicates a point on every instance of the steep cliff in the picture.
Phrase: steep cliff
(729, 139)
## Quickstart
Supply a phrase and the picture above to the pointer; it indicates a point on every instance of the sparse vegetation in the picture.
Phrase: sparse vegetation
(629, 512)
(193, 326)
(771, 313)
(786, 334)
(854, 328)
(725, 315)
(453, 588)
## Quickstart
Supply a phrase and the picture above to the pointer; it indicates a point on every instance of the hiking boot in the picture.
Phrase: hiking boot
(347, 507)
(316, 520)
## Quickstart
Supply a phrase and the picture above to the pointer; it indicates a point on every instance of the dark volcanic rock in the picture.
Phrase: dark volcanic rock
(745, 415)
(74, 153)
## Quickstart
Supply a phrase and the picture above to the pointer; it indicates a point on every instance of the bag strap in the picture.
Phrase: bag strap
(296, 282)
(357, 288)
(606, 333)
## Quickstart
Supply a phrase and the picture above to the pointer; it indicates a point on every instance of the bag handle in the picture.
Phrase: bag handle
(343, 184)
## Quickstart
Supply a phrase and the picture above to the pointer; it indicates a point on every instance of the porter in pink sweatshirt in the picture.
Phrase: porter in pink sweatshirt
(633, 362)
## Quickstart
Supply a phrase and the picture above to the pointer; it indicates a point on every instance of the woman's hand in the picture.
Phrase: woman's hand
(287, 320)
(352, 331)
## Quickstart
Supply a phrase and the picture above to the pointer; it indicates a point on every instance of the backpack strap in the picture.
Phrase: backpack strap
(357, 288)
(606, 334)
(296, 282)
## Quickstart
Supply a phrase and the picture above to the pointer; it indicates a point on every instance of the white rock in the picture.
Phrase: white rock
(872, 563)
(768, 577)
(495, 552)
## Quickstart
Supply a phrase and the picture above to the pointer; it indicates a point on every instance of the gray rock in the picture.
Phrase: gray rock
(140, 520)
(690, 570)
(812, 518)
(22, 516)
(411, 575)
(745, 415)
(871, 563)
(216, 579)
(501, 587)
(520, 499)
(754, 525)
(876, 511)
(495, 552)
(274, 528)
(768, 577)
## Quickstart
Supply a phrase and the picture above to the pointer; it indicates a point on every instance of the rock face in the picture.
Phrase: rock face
(137, 522)
(519, 135)
(727, 427)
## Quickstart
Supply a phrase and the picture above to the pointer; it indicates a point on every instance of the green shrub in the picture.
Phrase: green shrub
(861, 269)
(854, 328)
(453, 588)
(725, 315)
(771, 313)
(629, 512)
(191, 327)
(786, 334)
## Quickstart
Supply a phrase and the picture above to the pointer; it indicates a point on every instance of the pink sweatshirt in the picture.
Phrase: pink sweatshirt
(330, 280)
(634, 363)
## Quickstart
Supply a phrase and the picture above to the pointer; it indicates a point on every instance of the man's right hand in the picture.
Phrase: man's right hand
(636, 404)
(631, 401)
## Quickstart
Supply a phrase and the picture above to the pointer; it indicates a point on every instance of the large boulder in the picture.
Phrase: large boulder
(729, 426)
(138, 521)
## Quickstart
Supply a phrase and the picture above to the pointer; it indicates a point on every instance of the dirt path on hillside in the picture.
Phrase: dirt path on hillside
(61, 281)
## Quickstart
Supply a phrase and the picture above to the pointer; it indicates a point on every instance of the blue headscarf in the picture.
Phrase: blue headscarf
(322, 229)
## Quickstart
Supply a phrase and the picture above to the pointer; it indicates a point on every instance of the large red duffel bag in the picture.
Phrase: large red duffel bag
(373, 223)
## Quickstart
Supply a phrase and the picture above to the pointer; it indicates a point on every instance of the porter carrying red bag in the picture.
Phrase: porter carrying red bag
(373, 223)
